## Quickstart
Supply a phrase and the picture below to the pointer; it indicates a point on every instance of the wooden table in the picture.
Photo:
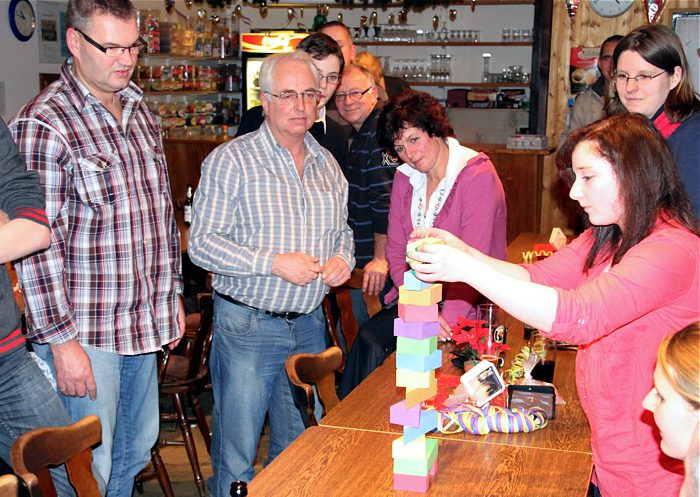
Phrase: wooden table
(339, 462)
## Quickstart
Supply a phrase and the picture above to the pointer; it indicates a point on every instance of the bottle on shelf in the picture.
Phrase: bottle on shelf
(187, 210)
(239, 489)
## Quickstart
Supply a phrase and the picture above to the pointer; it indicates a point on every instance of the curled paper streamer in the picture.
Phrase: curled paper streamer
(532, 255)
(483, 420)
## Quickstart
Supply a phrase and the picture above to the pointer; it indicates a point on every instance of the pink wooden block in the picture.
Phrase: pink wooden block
(399, 414)
(411, 483)
(418, 313)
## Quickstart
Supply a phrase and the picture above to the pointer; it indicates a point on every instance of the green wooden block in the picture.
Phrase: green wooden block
(411, 346)
(416, 467)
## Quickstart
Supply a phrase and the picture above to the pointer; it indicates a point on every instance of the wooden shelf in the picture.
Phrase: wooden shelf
(396, 5)
(471, 85)
(443, 44)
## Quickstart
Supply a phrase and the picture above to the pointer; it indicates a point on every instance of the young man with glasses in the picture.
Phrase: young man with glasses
(370, 175)
(329, 62)
(104, 297)
(270, 222)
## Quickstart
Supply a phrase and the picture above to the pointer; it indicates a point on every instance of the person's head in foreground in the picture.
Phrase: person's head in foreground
(415, 126)
(624, 177)
(650, 72)
(675, 399)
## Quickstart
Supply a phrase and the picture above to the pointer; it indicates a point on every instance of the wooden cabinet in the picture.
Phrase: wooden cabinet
(520, 172)
(185, 157)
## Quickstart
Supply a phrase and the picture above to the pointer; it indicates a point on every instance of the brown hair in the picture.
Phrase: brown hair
(661, 47)
(79, 12)
(371, 63)
(678, 358)
(412, 109)
(649, 182)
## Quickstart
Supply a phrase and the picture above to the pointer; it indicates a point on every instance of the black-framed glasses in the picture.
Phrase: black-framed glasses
(289, 96)
(134, 49)
(353, 96)
(332, 78)
(640, 79)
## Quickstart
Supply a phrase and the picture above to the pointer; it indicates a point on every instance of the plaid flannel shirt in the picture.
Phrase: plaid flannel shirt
(111, 276)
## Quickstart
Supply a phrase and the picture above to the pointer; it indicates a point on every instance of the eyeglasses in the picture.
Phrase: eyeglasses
(289, 96)
(641, 79)
(134, 49)
(353, 96)
(332, 78)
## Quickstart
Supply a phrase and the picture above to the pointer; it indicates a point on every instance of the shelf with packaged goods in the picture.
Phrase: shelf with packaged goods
(192, 58)
(444, 44)
(151, 93)
(441, 84)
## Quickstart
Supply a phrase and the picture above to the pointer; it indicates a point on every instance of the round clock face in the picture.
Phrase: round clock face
(610, 8)
(22, 19)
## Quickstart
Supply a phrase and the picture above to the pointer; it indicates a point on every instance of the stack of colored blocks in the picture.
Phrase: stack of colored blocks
(417, 358)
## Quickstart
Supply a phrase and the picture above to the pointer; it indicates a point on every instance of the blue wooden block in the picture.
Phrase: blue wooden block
(419, 363)
(411, 282)
(428, 422)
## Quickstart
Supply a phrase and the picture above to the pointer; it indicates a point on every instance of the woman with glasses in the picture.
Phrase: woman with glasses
(617, 290)
(440, 184)
(652, 78)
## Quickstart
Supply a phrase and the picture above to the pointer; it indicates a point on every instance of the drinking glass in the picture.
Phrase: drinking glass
(505, 34)
(492, 318)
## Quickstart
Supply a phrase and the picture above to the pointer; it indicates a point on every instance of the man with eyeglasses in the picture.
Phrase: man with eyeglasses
(329, 61)
(370, 176)
(105, 296)
(589, 105)
(270, 223)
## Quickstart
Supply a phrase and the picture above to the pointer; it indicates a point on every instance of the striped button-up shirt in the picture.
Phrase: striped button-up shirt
(251, 205)
(111, 276)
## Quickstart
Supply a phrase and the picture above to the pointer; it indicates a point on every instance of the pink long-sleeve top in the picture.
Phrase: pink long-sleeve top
(474, 210)
(618, 315)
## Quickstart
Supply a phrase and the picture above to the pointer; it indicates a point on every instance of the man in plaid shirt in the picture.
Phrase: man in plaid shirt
(103, 298)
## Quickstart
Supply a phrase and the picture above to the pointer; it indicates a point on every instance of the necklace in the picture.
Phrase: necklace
(436, 209)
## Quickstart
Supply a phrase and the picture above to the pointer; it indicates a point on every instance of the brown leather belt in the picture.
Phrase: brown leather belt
(281, 315)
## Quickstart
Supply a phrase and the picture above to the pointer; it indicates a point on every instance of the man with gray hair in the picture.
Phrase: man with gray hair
(103, 298)
(270, 222)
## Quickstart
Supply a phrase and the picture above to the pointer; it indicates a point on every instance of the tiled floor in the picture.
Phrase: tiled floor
(178, 465)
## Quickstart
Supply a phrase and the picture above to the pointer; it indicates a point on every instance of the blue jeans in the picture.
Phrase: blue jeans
(28, 401)
(127, 404)
(247, 359)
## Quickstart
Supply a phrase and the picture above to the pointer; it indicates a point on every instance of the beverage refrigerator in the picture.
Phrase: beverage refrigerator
(255, 46)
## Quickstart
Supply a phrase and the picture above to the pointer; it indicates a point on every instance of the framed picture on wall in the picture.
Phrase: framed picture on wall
(686, 23)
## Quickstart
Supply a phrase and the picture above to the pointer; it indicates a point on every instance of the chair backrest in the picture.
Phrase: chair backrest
(192, 364)
(9, 486)
(34, 451)
(305, 370)
(339, 303)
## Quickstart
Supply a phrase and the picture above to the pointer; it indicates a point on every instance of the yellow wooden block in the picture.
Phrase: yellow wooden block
(417, 395)
(414, 379)
(428, 296)
(417, 449)
(416, 244)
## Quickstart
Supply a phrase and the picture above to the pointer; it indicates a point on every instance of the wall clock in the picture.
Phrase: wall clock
(610, 8)
(22, 19)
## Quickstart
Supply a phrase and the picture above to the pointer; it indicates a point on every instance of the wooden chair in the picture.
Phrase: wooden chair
(305, 370)
(9, 486)
(339, 298)
(33, 452)
(183, 376)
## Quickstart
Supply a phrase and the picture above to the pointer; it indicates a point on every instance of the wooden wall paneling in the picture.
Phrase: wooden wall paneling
(185, 159)
(521, 176)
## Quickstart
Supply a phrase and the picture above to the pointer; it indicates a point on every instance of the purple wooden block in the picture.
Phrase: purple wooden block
(417, 331)
(399, 414)
(411, 483)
